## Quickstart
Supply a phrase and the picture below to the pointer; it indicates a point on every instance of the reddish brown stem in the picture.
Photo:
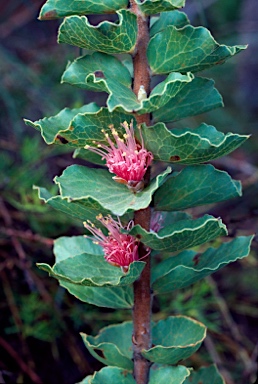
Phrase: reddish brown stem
(142, 293)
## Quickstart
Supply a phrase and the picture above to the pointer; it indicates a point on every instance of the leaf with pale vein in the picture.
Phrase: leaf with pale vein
(65, 247)
(54, 9)
(106, 37)
(186, 268)
(101, 72)
(174, 339)
(196, 97)
(87, 209)
(182, 234)
(93, 271)
(111, 297)
(187, 49)
(151, 7)
(185, 146)
(52, 128)
(114, 343)
(79, 183)
(196, 185)
(176, 18)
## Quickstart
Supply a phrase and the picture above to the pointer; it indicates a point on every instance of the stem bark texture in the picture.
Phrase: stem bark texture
(142, 294)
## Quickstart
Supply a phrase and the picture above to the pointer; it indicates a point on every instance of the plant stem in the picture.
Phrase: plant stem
(142, 292)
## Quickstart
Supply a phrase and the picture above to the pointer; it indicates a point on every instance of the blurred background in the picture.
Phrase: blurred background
(40, 322)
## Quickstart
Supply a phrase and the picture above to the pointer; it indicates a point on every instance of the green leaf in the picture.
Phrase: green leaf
(158, 375)
(113, 297)
(187, 49)
(174, 339)
(92, 72)
(87, 209)
(205, 375)
(182, 270)
(185, 146)
(168, 375)
(53, 9)
(182, 234)
(165, 91)
(79, 183)
(113, 345)
(106, 37)
(52, 128)
(151, 7)
(65, 247)
(196, 97)
(196, 185)
(101, 72)
(82, 130)
(88, 127)
(93, 271)
(176, 18)
(112, 375)
(86, 380)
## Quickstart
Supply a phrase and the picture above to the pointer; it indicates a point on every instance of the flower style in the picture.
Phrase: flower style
(127, 159)
(119, 249)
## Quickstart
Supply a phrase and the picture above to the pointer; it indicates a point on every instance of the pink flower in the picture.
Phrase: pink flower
(127, 159)
(119, 249)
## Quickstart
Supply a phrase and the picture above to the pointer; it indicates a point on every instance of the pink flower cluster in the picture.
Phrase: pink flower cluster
(127, 159)
(119, 249)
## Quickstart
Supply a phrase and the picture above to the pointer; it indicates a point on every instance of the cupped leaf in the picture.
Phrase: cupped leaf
(196, 97)
(182, 234)
(87, 209)
(176, 18)
(151, 7)
(185, 146)
(92, 271)
(106, 37)
(51, 128)
(184, 269)
(92, 72)
(196, 185)
(83, 129)
(205, 375)
(65, 247)
(79, 183)
(168, 375)
(165, 91)
(101, 72)
(54, 9)
(109, 297)
(187, 49)
(174, 339)
(112, 346)
(112, 375)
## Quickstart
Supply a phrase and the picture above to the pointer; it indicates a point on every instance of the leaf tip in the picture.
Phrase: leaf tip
(49, 15)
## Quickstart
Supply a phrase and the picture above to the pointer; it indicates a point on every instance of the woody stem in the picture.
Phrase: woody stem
(142, 293)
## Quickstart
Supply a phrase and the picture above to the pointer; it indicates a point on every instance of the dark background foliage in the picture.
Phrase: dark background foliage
(40, 322)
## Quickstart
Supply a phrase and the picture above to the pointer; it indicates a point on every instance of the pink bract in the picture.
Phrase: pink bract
(127, 159)
(119, 249)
